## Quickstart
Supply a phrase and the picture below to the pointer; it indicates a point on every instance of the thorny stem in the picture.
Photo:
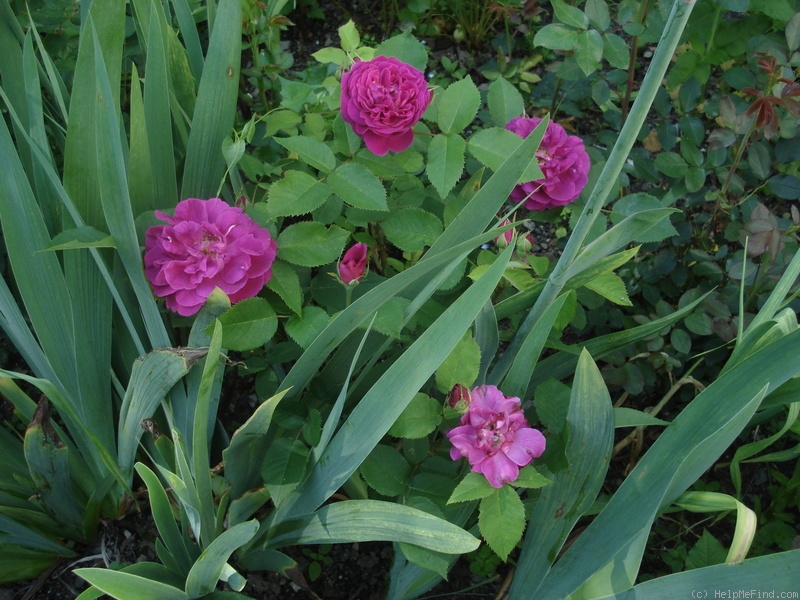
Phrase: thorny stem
(626, 99)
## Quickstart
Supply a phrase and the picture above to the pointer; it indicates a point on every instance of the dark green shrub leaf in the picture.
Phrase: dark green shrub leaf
(286, 284)
(589, 51)
(598, 15)
(461, 366)
(671, 164)
(247, 325)
(411, 229)
(616, 51)
(297, 193)
(407, 48)
(311, 244)
(310, 151)
(422, 415)
(305, 328)
(570, 15)
(505, 102)
(458, 106)
(386, 471)
(681, 341)
(445, 162)
(358, 186)
(759, 159)
(706, 552)
(556, 37)
(784, 186)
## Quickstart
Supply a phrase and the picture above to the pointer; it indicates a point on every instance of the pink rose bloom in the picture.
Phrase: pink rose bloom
(495, 437)
(382, 99)
(207, 244)
(353, 265)
(563, 161)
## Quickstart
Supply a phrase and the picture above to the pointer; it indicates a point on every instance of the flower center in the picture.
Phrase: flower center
(493, 435)
(209, 244)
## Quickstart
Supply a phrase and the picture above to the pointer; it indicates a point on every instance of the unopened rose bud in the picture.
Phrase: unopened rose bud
(459, 398)
(353, 265)
(504, 239)
(525, 244)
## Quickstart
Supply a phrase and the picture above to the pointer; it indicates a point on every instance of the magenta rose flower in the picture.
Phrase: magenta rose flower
(495, 437)
(382, 99)
(207, 244)
(353, 265)
(563, 161)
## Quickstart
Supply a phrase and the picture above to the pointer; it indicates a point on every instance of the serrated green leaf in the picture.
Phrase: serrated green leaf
(390, 317)
(411, 229)
(671, 164)
(311, 244)
(598, 15)
(530, 478)
(305, 328)
(556, 36)
(429, 560)
(502, 520)
(330, 55)
(461, 366)
(458, 106)
(407, 48)
(616, 51)
(422, 415)
(589, 51)
(505, 102)
(248, 324)
(286, 284)
(310, 151)
(706, 552)
(386, 471)
(297, 193)
(445, 162)
(611, 287)
(474, 486)
(570, 15)
(358, 186)
(348, 36)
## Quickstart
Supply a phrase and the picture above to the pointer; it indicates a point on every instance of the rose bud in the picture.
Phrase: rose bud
(459, 398)
(353, 265)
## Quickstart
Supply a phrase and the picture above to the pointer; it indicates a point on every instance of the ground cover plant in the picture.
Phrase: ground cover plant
(352, 241)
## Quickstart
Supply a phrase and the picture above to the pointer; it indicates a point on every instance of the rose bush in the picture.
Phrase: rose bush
(563, 161)
(207, 244)
(382, 99)
(495, 437)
